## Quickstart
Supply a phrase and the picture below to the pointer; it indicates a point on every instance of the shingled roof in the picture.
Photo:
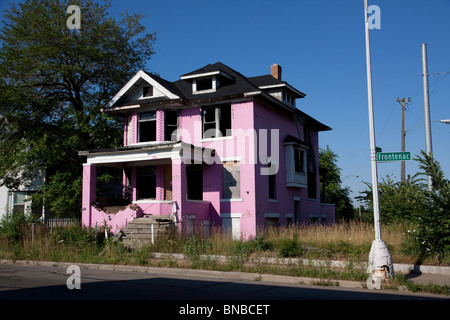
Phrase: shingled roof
(234, 85)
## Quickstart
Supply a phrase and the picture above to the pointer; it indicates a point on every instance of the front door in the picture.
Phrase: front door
(167, 182)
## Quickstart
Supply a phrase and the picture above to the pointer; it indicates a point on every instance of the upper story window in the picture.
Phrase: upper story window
(299, 160)
(296, 152)
(216, 121)
(147, 92)
(288, 98)
(147, 126)
(171, 124)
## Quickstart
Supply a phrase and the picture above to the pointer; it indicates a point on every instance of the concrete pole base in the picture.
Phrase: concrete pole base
(380, 266)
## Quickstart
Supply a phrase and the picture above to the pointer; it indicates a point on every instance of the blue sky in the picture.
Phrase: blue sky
(321, 47)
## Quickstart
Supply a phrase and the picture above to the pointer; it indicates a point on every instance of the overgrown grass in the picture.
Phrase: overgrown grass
(346, 241)
(350, 242)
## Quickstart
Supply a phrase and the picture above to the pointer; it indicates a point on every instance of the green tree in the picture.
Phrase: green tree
(334, 192)
(53, 85)
(432, 236)
(399, 201)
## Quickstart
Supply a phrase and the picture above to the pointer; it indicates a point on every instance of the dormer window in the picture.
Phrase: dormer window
(206, 80)
(204, 85)
(288, 98)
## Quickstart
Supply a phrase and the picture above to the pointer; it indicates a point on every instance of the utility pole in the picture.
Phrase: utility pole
(403, 103)
(426, 108)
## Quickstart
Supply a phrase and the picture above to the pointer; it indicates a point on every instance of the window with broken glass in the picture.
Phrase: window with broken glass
(147, 126)
(216, 121)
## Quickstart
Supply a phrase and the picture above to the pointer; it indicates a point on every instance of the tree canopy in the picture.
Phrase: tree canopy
(334, 192)
(54, 82)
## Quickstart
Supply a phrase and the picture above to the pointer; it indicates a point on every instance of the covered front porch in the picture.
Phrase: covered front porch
(158, 178)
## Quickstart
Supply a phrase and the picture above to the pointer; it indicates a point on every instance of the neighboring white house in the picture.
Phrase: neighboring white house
(20, 199)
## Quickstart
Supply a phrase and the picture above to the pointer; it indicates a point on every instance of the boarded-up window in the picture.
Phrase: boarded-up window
(231, 180)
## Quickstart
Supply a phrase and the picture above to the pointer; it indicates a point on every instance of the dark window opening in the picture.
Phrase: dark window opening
(217, 121)
(147, 126)
(147, 91)
(171, 124)
(299, 160)
(204, 84)
(312, 185)
(296, 211)
(272, 186)
(146, 182)
(194, 177)
(271, 222)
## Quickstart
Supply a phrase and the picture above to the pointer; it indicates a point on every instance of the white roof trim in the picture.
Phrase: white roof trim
(281, 85)
(206, 74)
(141, 75)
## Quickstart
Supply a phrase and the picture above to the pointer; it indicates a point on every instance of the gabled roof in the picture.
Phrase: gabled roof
(233, 86)
(234, 83)
(162, 85)
(269, 82)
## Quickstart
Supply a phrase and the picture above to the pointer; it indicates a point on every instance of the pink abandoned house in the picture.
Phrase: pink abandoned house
(214, 148)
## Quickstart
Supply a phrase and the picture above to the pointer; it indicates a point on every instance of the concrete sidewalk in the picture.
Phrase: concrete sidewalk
(438, 279)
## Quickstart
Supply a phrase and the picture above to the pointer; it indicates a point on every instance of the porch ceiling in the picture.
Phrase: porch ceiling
(149, 153)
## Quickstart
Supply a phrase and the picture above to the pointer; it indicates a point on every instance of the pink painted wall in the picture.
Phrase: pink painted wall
(155, 208)
(284, 204)
(253, 203)
(117, 221)
(88, 194)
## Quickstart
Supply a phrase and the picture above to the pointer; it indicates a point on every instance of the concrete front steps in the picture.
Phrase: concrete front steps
(145, 230)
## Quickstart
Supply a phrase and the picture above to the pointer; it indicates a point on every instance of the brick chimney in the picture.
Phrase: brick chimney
(275, 71)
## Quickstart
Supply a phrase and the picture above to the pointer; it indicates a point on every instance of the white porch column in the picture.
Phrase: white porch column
(179, 188)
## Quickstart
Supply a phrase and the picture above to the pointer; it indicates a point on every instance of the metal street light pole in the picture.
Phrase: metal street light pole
(426, 108)
(379, 257)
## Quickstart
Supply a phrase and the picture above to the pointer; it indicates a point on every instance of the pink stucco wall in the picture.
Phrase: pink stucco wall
(284, 204)
(243, 146)
(117, 221)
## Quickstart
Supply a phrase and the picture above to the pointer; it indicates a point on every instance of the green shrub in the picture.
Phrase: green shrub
(290, 248)
(13, 225)
(192, 248)
(78, 235)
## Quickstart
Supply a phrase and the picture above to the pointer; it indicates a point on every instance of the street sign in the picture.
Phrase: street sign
(393, 156)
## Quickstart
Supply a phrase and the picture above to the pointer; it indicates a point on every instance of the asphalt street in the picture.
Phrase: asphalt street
(186, 294)
(21, 282)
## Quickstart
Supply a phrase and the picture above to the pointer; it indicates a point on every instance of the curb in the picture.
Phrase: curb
(400, 268)
(195, 273)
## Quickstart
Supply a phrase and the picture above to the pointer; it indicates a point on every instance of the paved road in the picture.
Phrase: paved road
(19, 282)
